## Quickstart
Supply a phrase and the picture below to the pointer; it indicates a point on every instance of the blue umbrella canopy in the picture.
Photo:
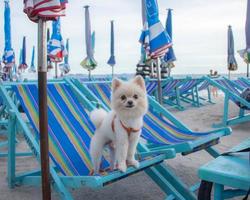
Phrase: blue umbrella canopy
(159, 40)
(8, 55)
(169, 57)
(93, 41)
(231, 62)
(23, 65)
(49, 63)
(32, 64)
(64, 67)
(111, 60)
(56, 49)
(89, 62)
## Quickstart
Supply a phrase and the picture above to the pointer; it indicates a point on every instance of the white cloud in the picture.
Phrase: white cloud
(199, 28)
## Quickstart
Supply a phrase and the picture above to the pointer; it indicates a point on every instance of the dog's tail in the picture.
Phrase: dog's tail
(97, 116)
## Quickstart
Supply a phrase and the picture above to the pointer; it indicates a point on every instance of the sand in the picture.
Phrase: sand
(139, 186)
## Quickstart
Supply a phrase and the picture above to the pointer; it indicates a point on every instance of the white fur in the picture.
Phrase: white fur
(125, 145)
(97, 117)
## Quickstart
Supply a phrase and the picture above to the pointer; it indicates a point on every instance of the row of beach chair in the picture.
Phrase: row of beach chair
(70, 130)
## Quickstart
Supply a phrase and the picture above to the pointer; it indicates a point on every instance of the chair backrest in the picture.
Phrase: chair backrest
(189, 85)
(69, 127)
(204, 85)
(151, 85)
(156, 129)
(170, 87)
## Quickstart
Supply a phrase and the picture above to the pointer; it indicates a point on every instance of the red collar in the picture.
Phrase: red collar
(127, 129)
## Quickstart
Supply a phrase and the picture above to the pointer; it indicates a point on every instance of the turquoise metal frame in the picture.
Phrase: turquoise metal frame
(174, 182)
(243, 115)
(235, 175)
(61, 183)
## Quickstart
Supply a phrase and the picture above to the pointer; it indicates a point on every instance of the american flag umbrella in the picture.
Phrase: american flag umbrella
(32, 68)
(64, 67)
(89, 62)
(111, 60)
(169, 58)
(245, 53)
(8, 55)
(23, 65)
(40, 11)
(56, 49)
(159, 40)
(231, 61)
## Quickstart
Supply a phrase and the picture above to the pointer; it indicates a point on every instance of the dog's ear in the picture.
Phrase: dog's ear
(116, 83)
(139, 81)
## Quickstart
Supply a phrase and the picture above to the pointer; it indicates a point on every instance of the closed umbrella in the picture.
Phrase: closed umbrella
(159, 40)
(40, 11)
(23, 65)
(169, 58)
(64, 67)
(8, 55)
(245, 53)
(56, 49)
(32, 68)
(89, 62)
(231, 61)
(111, 60)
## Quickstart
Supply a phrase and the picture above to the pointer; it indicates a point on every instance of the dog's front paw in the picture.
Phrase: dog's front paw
(122, 167)
(133, 163)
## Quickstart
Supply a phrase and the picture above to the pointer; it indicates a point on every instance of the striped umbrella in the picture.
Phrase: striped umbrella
(40, 11)
(169, 58)
(23, 65)
(159, 40)
(8, 55)
(32, 68)
(111, 60)
(89, 62)
(245, 53)
(231, 61)
(64, 67)
(56, 49)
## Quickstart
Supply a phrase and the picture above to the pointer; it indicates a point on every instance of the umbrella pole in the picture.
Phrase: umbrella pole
(56, 76)
(248, 70)
(159, 81)
(89, 75)
(228, 74)
(43, 109)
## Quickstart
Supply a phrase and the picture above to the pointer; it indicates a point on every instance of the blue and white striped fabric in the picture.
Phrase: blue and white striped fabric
(159, 40)
(8, 55)
(56, 49)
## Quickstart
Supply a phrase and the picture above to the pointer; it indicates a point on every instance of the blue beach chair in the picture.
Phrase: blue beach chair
(232, 93)
(229, 173)
(70, 131)
(205, 86)
(161, 131)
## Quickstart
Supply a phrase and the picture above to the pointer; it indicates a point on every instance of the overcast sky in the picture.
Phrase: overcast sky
(199, 32)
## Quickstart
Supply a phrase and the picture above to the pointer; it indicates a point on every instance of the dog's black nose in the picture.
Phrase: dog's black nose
(130, 102)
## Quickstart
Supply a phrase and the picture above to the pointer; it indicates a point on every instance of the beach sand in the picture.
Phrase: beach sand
(139, 186)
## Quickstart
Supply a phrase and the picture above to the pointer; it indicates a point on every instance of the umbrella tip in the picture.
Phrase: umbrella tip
(87, 6)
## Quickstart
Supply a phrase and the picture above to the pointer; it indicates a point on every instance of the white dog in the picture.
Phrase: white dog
(121, 127)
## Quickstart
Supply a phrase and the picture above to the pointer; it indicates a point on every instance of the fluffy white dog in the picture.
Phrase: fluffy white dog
(120, 129)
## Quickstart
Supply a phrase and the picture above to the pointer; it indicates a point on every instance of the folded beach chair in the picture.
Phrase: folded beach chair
(232, 93)
(161, 131)
(70, 131)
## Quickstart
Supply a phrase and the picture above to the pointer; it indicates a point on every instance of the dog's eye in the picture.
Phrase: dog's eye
(135, 96)
(123, 97)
